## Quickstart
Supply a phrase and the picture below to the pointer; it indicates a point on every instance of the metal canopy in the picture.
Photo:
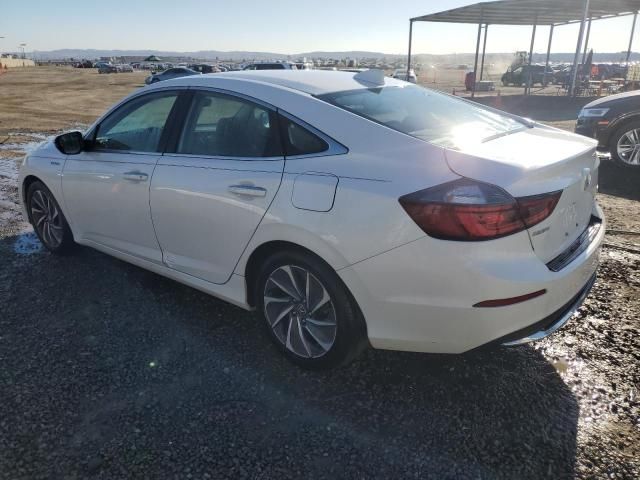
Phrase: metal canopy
(534, 13)
(528, 12)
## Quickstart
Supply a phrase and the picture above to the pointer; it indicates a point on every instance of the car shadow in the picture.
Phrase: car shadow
(619, 181)
(137, 370)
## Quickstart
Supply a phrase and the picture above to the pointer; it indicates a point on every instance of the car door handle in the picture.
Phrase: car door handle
(135, 176)
(250, 190)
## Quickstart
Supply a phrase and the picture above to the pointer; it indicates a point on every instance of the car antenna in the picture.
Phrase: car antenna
(373, 76)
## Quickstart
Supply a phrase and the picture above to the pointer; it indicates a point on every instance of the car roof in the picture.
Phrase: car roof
(313, 82)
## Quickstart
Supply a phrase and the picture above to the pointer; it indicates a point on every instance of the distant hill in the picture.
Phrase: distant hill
(211, 55)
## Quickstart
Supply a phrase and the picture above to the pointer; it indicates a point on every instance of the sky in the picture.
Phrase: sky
(281, 26)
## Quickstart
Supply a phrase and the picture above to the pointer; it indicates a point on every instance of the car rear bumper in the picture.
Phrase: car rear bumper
(552, 323)
(421, 296)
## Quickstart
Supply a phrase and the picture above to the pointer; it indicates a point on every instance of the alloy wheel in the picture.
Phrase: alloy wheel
(46, 219)
(628, 147)
(300, 311)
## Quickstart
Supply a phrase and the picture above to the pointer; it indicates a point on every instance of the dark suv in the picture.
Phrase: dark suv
(526, 75)
(615, 122)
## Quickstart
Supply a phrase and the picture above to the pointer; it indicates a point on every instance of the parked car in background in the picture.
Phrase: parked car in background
(107, 68)
(271, 66)
(84, 64)
(495, 231)
(169, 74)
(304, 65)
(124, 68)
(401, 74)
(203, 68)
(527, 75)
(615, 122)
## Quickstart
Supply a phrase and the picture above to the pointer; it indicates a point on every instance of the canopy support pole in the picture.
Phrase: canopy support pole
(633, 29)
(586, 43)
(409, 54)
(574, 75)
(484, 49)
(546, 64)
(528, 80)
(475, 64)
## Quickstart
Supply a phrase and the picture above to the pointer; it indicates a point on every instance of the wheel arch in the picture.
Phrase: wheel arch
(619, 123)
(269, 248)
(261, 254)
(27, 181)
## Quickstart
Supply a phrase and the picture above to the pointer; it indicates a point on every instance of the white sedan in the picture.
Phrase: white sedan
(347, 209)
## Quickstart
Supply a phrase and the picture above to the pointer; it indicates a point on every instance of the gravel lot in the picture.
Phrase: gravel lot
(109, 371)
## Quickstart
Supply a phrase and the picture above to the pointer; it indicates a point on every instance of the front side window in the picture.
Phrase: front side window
(226, 126)
(136, 126)
(425, 114)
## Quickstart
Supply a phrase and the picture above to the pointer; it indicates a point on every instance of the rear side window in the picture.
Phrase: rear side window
(297, 140)
(226, 126)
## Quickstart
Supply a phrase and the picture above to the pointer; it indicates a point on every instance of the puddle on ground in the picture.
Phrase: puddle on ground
(27, 244)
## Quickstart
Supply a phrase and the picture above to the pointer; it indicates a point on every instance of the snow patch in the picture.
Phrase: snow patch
(8, 170)
(10, 211)
(27, 244)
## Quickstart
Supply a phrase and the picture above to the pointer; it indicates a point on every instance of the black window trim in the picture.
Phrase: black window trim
(333, 147)
(90, 136)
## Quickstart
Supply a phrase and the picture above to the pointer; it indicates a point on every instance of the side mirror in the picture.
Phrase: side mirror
(70, 143)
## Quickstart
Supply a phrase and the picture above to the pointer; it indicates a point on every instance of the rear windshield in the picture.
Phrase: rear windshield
(426, 114)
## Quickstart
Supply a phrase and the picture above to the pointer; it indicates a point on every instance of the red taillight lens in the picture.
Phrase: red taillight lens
(536, 208)
(467, 210)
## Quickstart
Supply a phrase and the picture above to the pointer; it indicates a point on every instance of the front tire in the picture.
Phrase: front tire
(308, 312)
(624, 145)
(47, 219)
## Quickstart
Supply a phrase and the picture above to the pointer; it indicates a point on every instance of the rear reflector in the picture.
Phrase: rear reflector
(503, 302)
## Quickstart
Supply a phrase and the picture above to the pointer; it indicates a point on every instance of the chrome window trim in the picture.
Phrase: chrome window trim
(230, 93)
(220, 157)
(335, 147)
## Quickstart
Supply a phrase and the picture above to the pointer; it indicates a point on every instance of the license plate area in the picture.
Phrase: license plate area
(578, 246)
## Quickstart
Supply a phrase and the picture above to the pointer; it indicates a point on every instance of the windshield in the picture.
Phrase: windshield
(425, 114)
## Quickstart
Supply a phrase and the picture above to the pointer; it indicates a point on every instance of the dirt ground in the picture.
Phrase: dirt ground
(110, 371)
(50, 99)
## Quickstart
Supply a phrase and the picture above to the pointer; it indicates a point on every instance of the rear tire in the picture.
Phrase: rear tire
(47, 219)
(308, 312)
(624, 145)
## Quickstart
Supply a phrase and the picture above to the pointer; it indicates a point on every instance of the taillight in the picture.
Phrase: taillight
(468, 210)
(536, 208)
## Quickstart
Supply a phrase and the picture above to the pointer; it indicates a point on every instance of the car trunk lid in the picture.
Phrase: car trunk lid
(534, 161)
